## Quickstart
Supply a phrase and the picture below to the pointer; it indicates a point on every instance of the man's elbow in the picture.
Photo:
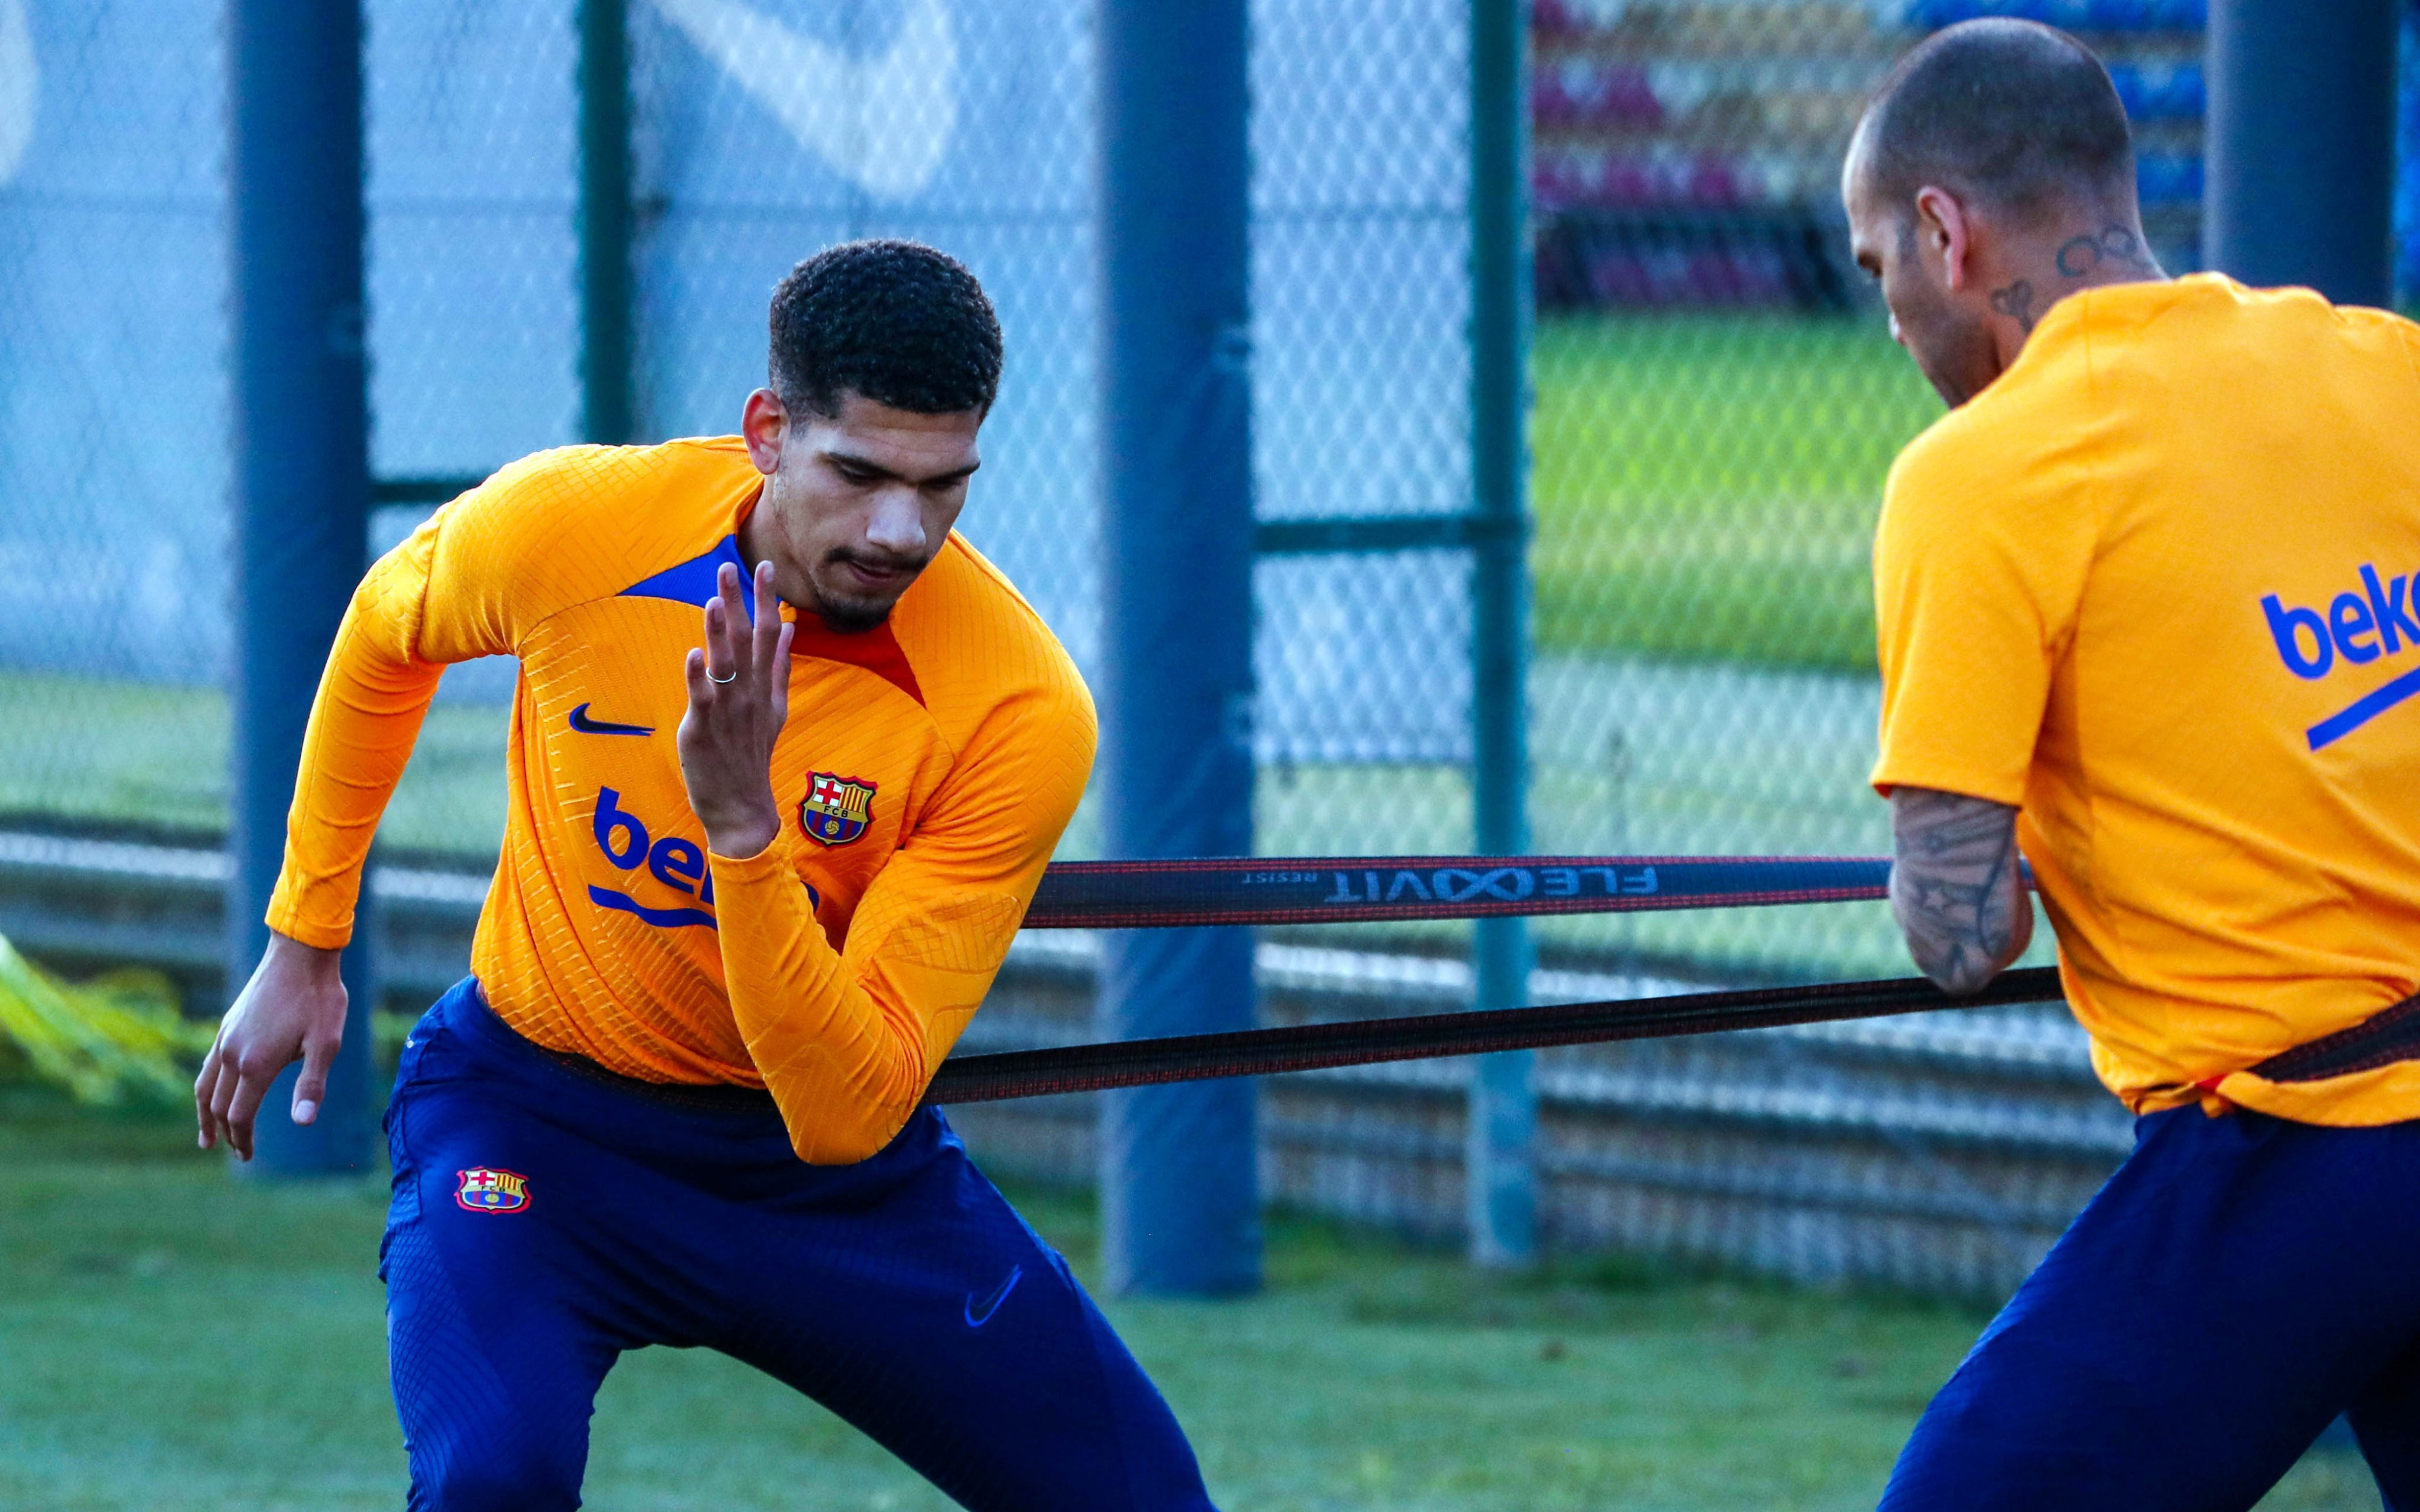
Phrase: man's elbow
(854, 1117)
(848, 1141)
(1963, 963)
(1961, 974)
(830, 1148)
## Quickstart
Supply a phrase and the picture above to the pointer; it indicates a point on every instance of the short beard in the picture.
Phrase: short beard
(851, 618)
(854, 616)
(1959, 359)
(1955, 356)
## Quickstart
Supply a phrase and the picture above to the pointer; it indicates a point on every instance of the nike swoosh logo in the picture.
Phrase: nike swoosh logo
(587, 726)
(979, 1312)
(883, 123)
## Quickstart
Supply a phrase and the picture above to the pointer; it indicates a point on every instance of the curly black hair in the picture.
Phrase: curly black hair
(896, 322)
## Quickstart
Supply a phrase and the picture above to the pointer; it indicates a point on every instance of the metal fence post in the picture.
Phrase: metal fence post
(302, 452)
(608, 407)
(1179, 1192)
(1501, 1160)
(2302, 145)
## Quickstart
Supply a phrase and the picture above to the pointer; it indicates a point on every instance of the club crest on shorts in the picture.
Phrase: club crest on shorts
(836, 809)
(491, 1190)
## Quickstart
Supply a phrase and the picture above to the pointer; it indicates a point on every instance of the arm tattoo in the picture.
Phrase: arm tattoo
(2016, 301)
(1955, 888)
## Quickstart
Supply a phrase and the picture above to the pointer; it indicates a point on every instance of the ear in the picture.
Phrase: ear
(765, 425)
(1945, 229)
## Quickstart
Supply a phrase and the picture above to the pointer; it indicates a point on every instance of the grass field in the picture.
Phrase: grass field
(178, 1340)
(80, 749)
(1706, 485)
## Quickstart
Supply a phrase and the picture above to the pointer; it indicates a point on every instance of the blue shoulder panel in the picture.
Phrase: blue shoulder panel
(692, 581)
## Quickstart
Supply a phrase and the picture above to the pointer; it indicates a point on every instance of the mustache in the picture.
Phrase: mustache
(875, 561)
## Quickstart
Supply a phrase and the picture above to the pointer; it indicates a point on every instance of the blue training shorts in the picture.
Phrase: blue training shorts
(2239, 1283)
(548, 1216)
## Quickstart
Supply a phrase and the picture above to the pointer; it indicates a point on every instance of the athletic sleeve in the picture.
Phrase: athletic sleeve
(1987, 532)
(849, 1040)
(460, 587)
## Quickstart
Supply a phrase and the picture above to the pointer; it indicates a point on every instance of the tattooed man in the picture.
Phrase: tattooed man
(2147, 611)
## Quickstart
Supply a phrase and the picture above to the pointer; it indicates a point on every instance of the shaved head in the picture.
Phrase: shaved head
(1991, 176)
(2009, 115)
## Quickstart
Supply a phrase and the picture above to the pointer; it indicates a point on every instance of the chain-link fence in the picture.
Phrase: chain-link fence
(1715, 406)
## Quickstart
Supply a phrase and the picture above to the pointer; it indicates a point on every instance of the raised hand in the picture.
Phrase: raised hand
(738, 697)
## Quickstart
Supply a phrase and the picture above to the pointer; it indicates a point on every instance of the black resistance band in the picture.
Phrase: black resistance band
(1354, 889)
(1092, 1068)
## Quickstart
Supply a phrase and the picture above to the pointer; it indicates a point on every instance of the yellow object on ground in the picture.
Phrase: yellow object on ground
(115, 1039)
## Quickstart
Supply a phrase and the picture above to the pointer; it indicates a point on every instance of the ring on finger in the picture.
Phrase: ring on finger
(734, 677)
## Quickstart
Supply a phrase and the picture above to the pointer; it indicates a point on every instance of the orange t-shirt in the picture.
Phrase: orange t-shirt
(2160, 586)
(927, 772)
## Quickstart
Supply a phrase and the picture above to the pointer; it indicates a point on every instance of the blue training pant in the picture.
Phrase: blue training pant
(547, 1217)
(2239, 1283)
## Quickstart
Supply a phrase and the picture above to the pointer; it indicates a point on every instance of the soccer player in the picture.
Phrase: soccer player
(2147, 612)
(751, 889)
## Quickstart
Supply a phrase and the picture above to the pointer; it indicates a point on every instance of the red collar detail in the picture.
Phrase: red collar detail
(875, 650)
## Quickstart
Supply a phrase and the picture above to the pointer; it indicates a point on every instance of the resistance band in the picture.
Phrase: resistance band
(1348, 889)
(1092, 1068)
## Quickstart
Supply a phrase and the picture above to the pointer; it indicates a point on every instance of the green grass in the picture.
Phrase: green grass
(80, 749)
(178, 1339)
(1706, 485)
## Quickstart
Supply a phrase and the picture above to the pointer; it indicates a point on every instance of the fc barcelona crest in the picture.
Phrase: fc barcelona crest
(835, 808)
(491, 1190)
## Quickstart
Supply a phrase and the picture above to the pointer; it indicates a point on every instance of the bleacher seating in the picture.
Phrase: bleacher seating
(1688, 151)
(2079, 16)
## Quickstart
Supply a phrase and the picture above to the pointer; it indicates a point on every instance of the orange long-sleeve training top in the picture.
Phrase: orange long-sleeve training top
(927, 770)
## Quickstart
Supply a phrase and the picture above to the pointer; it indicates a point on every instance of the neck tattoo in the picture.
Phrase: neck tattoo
(2016, 301)
(2082, 257)
(2112, 248)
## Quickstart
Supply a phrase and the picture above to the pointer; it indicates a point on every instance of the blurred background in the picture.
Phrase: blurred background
(1713, 402)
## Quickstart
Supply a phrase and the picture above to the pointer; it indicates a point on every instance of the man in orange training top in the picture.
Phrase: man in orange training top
(750, 894)
(2147, 602)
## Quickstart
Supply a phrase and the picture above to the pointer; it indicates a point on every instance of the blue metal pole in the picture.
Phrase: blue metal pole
(2300, 149)
(608, 408)
(1179, 1192)
(1501, 1166)
(302, 450)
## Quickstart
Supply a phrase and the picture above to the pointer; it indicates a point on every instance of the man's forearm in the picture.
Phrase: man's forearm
(1956, 888)
(844, 1072)
(363, 723)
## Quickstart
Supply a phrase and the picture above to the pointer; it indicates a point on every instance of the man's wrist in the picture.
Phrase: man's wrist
(745, 838)
(318, 959)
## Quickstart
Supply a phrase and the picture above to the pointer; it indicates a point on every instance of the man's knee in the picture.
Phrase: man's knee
(501, 1467)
